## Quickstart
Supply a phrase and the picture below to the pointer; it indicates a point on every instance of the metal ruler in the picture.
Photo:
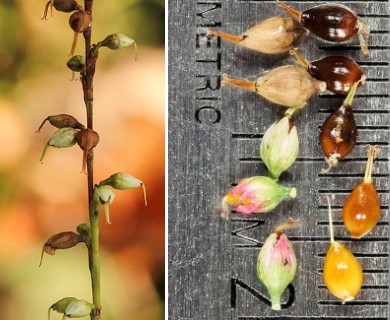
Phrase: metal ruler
(214, 136)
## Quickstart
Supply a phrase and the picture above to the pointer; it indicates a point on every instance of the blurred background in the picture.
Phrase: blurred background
(39, 200)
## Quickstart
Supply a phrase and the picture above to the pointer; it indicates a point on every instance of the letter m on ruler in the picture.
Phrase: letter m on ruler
(208, 14)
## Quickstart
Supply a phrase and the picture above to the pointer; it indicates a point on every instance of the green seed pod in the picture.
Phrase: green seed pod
(104, 195)
(62, 240)
(277, 264)
(87, 139)
(280, 146)
(118, 41)
(124, 181)
(62, 121)
(78, 309)
(76, 63)
(84, 229)
(256, 195)
(62, 138)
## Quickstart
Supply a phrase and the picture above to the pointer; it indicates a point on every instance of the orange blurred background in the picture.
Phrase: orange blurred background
(39, 200)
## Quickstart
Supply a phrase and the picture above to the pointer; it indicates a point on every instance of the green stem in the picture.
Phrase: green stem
(93, 248)
(275, 301)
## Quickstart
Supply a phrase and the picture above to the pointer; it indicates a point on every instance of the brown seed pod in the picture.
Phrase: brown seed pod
(79, 21)
(62, 240)
(338, 133)
(289, 86)
(331, 22)
(87, 139)
(61, 5)
(272, 36)
(339, 73)
(61, 121)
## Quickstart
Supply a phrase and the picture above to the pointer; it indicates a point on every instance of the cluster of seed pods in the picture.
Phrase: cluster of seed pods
(291, 86)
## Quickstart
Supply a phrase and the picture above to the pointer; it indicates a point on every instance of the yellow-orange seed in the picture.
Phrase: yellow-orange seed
(343, 274)
(361, 210)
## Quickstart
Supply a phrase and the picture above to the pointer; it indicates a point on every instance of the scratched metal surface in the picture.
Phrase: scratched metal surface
(214, 135)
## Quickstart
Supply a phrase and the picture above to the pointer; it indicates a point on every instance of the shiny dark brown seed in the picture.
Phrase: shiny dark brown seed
(331, 22)
(338, 133)
(339, 73)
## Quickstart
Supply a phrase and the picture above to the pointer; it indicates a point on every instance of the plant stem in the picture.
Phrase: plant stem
(93, 248)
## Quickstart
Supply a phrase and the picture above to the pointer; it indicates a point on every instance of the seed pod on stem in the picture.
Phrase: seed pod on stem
(361, 210)
(62, 121)
(76, 63)
(62, 240)
(331, 22)
(62, 138)
(277, 263)
(117, 41)
(339, 73)
(338, 133)
(124, 181)
(61, 5)
(87, 139)
(343, 275)
(280, 145)
(289, 86)
(272, 36)
(256, 195)
(79, 21)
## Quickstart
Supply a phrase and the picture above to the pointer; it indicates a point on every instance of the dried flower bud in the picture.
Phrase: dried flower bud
(256, 194)
(84, 229)
(124, 181)
(104, 195)
(280, 146)
(61, 5)
(272, 36)
(62, 240)
(76, 63)
(78, 309)
(79, 21)
(62, 138)
(289, 86)
(62, 121)
(118, 41)
(61, 305)
(277, 264)
(87, 139)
